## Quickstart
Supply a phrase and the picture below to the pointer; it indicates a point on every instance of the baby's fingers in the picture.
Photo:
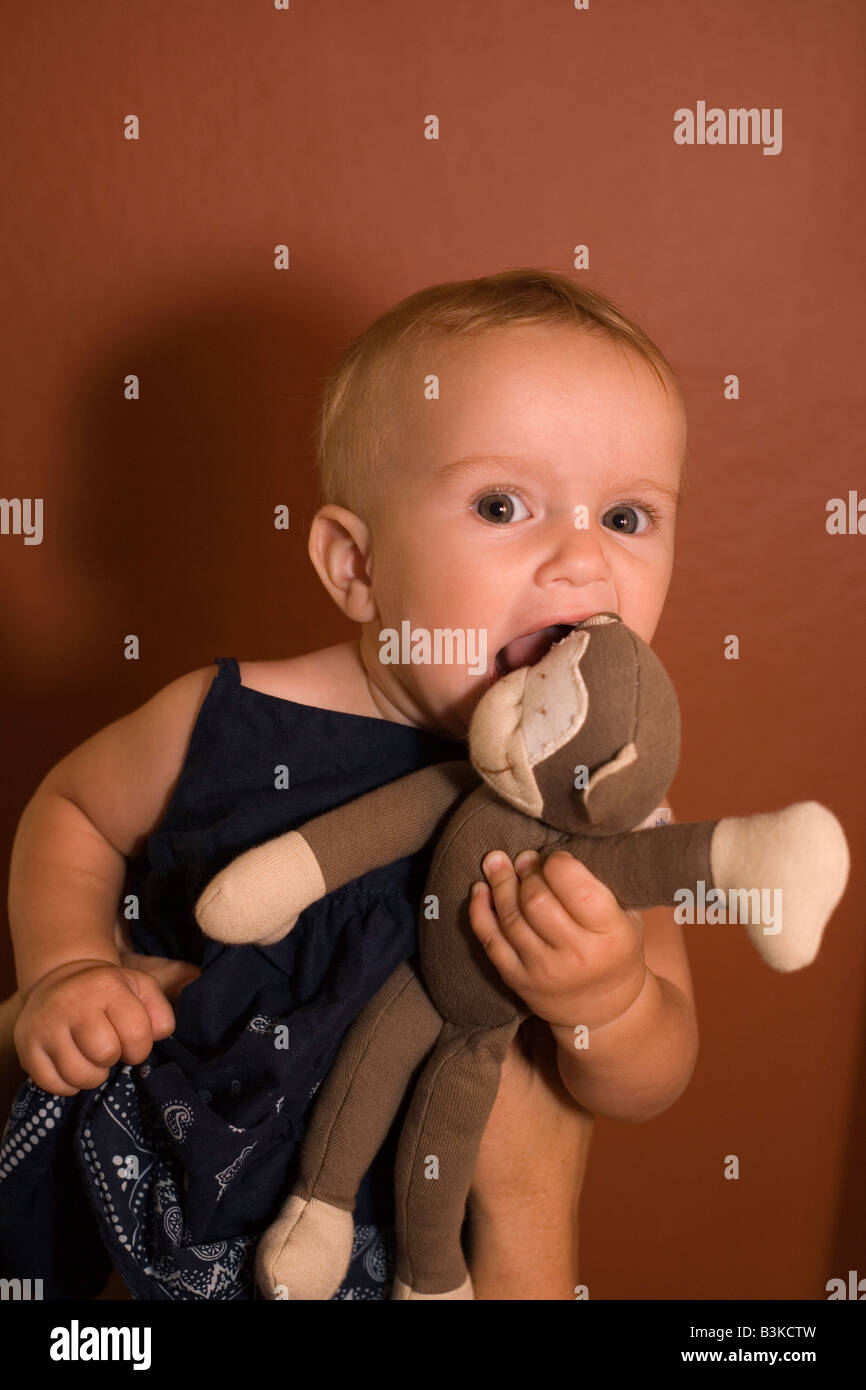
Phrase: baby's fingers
(97, 1041)
(150, 998)
(172, 976)
(43, 1058)
(133, 1025)
(74, 1068)
(589, 901)
(42, 1071)
(485, 924)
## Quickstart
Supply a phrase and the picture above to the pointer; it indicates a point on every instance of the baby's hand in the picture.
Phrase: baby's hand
(559, 938)
(86, 1015)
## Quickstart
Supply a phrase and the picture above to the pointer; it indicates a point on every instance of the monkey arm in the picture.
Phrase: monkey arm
(793, 862)
(646, 868)
(260, 894)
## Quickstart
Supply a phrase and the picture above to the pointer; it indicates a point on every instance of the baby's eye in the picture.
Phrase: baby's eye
(498, 507)
(627, 519)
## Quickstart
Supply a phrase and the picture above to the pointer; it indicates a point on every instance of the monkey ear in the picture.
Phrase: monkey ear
(612, 787)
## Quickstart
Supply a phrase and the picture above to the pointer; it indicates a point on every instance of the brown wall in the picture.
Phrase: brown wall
(305, 126)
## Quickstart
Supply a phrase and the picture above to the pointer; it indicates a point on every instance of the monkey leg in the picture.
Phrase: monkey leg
(305, 1253)
(436, 1158)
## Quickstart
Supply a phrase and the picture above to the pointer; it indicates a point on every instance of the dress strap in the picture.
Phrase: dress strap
(229, 670)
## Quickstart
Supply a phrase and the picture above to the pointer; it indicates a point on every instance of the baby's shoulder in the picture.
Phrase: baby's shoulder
(331, 678)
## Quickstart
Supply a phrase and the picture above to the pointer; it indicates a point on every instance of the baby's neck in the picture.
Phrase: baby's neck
(341, 681)
(391, 699)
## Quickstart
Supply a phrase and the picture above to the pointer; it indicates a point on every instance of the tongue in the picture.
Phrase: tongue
(527, 650)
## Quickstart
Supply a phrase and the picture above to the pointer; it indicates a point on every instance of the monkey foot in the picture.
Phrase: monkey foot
(792, 866)
(306, 1252)
(403, 1291)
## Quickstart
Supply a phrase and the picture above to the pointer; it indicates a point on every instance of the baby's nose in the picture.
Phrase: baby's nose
(574, 553)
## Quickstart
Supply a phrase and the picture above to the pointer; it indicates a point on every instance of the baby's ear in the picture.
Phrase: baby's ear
(339, 547)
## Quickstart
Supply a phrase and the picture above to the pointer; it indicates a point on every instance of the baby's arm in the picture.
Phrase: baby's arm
(526, 1187)
(82, 1010)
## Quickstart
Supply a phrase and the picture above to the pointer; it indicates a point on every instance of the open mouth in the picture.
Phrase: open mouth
(530, 648)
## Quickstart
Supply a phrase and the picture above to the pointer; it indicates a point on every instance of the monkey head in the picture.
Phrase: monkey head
(586, 740)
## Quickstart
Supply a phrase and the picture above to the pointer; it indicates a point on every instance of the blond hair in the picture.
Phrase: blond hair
(365, 396)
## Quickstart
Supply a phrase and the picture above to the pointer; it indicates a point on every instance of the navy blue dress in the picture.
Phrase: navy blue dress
(172, 1169)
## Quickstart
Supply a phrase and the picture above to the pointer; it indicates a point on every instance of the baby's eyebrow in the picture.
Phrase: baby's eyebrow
(650, 485)
(457, 467)
(473, 461)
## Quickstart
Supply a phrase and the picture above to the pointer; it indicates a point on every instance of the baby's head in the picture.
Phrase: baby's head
(497, 457)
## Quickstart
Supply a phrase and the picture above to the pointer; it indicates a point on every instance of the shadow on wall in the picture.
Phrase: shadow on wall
(159, 521)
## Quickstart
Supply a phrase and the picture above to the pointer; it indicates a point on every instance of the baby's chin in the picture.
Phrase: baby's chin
(449, 705)
(409, 695)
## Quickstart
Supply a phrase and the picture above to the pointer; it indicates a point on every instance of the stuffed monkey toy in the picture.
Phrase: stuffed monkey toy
(570, 753)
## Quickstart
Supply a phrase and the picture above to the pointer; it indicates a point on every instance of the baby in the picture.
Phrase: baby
(502, 456)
